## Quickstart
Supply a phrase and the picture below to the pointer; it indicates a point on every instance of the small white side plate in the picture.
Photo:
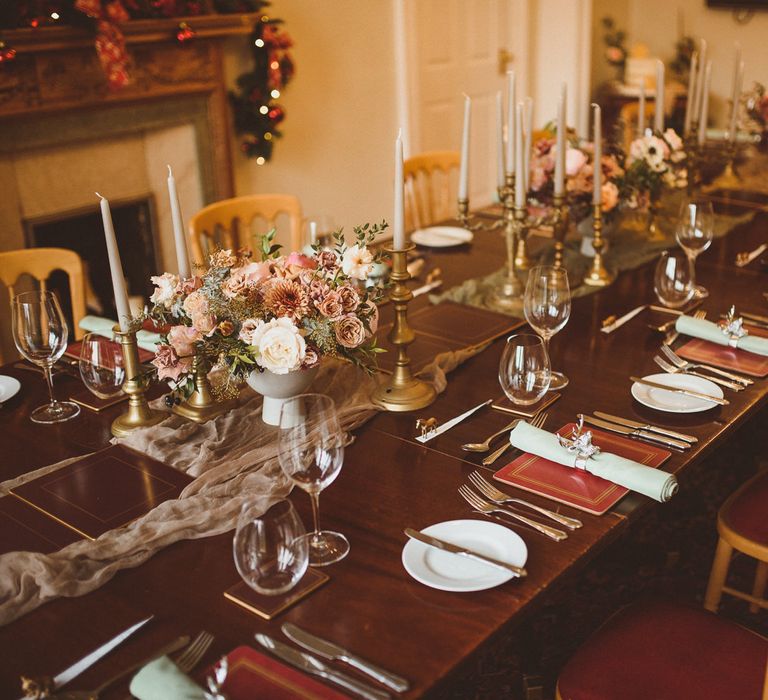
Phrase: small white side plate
(454, 572)
(676, 403)
(9, 386)
(441, 236)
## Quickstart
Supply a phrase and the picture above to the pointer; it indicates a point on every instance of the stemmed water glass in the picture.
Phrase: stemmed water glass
(524, 371)
(101, 366)
(695, 229)
(270, 548)
(311, 451)
(40, 333)
(674, 281)
(547, 307)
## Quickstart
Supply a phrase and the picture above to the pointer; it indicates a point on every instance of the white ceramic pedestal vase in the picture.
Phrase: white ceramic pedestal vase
(276, 388)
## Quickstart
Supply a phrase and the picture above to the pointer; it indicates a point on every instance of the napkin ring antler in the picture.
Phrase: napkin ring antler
(580, 445)
(732, 327)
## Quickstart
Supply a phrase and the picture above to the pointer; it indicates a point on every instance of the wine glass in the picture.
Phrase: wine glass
(101, 366)
(319, 229)
(524, 371)
(674, 279)
(270, 548)
(40, 333)
(547, 307)
(311, 451)
(695, 229)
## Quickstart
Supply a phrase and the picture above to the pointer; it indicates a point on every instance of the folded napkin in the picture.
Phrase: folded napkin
(161, 679)
(624, 472)
(103, 326)
(706, 330)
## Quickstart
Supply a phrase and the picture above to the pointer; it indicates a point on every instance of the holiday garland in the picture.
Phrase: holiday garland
(256, 114)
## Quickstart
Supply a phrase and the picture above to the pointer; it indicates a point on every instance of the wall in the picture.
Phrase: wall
(657, 22)
(337, 155)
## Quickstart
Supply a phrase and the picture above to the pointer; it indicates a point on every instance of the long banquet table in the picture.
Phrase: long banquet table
(388, 482)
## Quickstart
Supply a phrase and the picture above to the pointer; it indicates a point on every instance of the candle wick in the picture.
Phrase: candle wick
(99, 196)
(170, 172)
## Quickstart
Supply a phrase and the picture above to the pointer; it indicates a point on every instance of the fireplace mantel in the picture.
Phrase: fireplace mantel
(57, 73)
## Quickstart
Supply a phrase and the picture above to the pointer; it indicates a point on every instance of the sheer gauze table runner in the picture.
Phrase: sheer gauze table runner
(233, 459)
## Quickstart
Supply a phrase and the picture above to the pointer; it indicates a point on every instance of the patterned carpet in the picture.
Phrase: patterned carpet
(667, 554)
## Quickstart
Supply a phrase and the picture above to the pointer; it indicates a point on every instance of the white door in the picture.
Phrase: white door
(453, 47)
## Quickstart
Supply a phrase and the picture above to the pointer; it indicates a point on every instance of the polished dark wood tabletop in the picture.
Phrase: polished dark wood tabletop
(389, 482)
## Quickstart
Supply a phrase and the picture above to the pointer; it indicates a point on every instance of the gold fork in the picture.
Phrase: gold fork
(537, 422)
(672, 335)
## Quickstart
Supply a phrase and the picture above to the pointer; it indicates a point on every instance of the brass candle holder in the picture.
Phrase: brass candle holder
(403, 391)
(598, 275)
(139, 414)
(729, 179)
(694, 155)
(560, 221)
(201, 405)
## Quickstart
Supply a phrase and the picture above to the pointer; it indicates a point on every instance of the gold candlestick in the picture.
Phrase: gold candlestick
(598, 275)
(559, 229)
(201, 405)
(139, 414)
(693, 157)
(729, 179)
(403, 391)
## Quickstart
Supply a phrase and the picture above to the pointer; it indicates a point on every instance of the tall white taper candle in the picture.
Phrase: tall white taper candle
(464, 169)
(124, 317)
(691, 97)
(704, 104)
(658, 114)
(520, 191)
(510, 159)
(641, 111)
(738, 79)
(598, 170)
(700, 79)
(500, 139)
(527, 138)
(399, 214)
(560, 143)
(182, 256)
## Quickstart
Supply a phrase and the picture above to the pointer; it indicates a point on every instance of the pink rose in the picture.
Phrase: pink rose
(188, 285)
(350, 331)
(610, 196)
(242, 280)
(301, 260)
(196, 303)
(247, 330)
(331, 306)
(328, 260)
(182, 339)
(350, 299)
(574, 161)
(311, 357)
(169, 364)
(204, 323)
(538, 178)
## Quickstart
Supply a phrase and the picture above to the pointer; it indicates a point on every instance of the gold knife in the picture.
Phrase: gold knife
(645, 426)
(463, 551)
(678, 390)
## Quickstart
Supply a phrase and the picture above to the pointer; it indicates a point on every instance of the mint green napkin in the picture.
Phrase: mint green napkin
(103, 326)
(161, 679)
(706, 330)
(624, 472)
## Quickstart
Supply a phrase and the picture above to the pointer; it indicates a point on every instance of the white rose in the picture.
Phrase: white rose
(674, 141)
(281, 347)
(357, 262)
(165, 289)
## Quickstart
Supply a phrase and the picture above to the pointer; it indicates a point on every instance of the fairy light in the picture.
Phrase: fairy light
(263, 109)
(259, 42)
(260, 160)
(274, 65)
(275, 93)
(267, 135)
(55, 15)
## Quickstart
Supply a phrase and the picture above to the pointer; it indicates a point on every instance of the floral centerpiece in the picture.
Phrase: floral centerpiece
(654, 162)
(279, 315)
(579, 172)
(755, 104)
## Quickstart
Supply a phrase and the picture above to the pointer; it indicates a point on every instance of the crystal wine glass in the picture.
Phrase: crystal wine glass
(674, 279)
(547, 307)
(311, 451)
(524, 371)
(319, 229)
(40, 333)
(695, 229)
(101, 366)
(270, 548)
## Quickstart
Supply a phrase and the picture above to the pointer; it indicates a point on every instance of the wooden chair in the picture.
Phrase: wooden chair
(742, 525)
(430, 188)
(39, 263)
(667, 651)
(227, 224)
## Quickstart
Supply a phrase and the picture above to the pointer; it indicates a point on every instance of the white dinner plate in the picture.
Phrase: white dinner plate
(454, 572)
(441, 236)
(673, 402)
(9, 386)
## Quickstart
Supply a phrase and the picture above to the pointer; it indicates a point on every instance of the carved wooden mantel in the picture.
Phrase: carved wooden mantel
(57, 71)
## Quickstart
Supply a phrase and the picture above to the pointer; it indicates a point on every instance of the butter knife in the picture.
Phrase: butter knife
(309, 664)
(634, 432)
(619, 322)
(426, 288)
(88, 660)
(463, 551)
(679, 390)
(646, 426)
(333, 652)
(449, 424)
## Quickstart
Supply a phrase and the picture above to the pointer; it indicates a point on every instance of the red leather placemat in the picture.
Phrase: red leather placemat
(576, 487)
(722, 356)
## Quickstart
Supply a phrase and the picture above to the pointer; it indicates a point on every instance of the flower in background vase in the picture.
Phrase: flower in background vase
(654, 161)
(609, 196)
(282, 314)
(755, 107)
(575, 160)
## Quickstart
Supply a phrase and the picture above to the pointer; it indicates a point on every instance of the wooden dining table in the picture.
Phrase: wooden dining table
(390, 481)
